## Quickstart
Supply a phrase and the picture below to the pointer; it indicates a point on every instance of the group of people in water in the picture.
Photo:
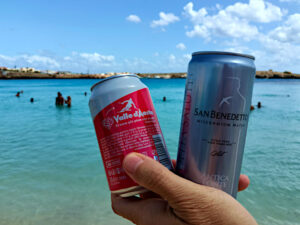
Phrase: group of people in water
(258, 106)
(59, 100)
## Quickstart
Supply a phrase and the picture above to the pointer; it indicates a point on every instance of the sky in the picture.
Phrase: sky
(98, 36)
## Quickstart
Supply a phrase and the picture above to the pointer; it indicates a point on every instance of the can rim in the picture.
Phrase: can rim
(223, 53)
(112, 77)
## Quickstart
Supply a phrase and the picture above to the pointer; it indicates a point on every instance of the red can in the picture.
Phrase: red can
(125, 121)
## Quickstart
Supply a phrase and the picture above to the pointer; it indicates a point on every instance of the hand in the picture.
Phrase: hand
(180, 202)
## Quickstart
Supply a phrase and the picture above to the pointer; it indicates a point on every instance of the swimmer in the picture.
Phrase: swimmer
(68, 101)
(85, 93)
(31, 99)
(259, 105)
(252, 108)
(59, 99)
(164, 98)
(18, 94)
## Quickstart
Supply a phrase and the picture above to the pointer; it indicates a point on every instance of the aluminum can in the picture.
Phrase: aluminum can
(215, 116)
(125, 121)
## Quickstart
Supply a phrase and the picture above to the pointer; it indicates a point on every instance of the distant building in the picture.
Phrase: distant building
(50, 71)
(64, 72)
(28, 70)
(3, 68)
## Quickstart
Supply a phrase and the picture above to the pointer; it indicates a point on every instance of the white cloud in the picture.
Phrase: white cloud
(7, 58)
(257, 11)
(26, 60)
(67, 58)
(277, 55)
(187, 56)
(133, 18)
(37, 59)
(289, 31)
(296, 1)
(165, 19)
(221, 24)
(97, 58)
(136, 64)
(200, 31)
(181, 46)
(74, 62)
(94, 62)
(172, 58)
(196, 17)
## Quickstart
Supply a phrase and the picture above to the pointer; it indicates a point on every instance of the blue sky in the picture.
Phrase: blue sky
(146, 36)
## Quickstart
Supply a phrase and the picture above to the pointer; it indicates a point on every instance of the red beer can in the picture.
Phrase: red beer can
(125, 121)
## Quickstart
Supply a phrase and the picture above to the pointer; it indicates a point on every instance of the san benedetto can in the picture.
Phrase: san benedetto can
(214, 119)
(125, 121)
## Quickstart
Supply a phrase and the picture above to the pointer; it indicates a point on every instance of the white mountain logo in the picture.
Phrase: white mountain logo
(236, 90)
(225, 100)
(129, 104)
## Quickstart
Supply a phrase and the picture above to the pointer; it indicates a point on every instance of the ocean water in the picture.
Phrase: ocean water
(51, 171)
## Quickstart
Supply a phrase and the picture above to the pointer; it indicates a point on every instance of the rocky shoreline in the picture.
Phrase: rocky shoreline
(6, 75)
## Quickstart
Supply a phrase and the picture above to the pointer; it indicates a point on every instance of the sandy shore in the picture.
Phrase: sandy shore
(30, 75)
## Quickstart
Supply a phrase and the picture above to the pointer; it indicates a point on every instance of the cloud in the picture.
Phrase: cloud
(26, 60)
(97, 58)
(165, 19)
(289, 31)
(277, 55)
(172, 58)
(94, 62)
(187, 56)
(74, 62)
(296, 1)
(133, 18)
(256, 11)
(221, 24)
(181, 46)
(234, 21)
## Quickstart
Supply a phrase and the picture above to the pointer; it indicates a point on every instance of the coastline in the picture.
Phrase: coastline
(11, 75)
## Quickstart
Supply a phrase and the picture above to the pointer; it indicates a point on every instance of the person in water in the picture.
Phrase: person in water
(68, 101)
(31, 99)
(164, 98)
(252, 108)
(259, 105)
(18, 94)
(85, 93)
(59, 99)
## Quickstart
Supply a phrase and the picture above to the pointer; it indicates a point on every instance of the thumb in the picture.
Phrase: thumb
(154, 176)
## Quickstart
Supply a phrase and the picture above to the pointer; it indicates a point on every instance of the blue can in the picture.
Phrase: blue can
(215, 116)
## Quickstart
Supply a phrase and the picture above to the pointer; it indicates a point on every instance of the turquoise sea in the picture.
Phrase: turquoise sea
(51, 171)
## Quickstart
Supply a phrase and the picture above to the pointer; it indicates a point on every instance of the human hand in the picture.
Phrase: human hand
(178, 201)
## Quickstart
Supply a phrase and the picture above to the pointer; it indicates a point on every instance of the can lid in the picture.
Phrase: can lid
(112, 77)
(223, 53)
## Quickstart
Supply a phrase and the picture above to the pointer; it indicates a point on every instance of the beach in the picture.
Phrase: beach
(51, 171)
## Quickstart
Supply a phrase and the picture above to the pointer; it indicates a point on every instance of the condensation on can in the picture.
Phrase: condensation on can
(125, 121)
(214, 118)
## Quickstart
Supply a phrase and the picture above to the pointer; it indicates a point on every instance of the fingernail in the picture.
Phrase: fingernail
(131, 162)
